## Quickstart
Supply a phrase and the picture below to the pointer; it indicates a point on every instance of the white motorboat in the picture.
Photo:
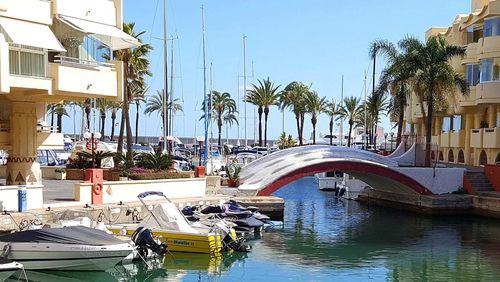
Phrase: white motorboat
(8, 268)
(67, 248)
(329, 181)
(350, 188)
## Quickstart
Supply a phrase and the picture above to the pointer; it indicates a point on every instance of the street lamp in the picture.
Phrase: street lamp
(392, 139)
(385, 141)
(92, 143)
(200, 140)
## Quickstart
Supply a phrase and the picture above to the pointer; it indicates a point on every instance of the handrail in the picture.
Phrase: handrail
(65, 60)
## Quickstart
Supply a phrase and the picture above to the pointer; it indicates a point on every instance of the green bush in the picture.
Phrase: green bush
(154, 161)
(160, 175)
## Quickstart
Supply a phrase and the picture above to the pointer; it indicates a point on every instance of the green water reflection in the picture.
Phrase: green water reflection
(325, 239)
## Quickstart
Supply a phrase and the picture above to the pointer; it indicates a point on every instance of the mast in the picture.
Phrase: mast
(341, 129)
(205, 105)
(245, 84)
(211, 121)
(254, 114)
(165, 80)
(365, 142)
(373, 89)
(171, 110)
(238, 109)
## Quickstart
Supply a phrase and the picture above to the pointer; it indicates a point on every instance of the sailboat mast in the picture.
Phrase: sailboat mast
(245, 84)
(341, 129)
(172, 109)
(365, 141)
(205, 105)
(165, 80)
(238, 111)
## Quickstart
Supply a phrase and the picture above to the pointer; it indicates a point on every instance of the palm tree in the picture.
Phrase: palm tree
(114, 106)
(138, 97)
(376, 104)
(314, 106)
(223, 111)
(263, 95)
(332, 110)
(102, 105)
(58, 109)
(396, 79)
(293, 97)
(154, 104)
(136, 67)
(435, 79)
(350, 110)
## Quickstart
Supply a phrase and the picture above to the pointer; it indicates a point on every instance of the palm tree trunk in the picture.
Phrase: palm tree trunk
(331, 131)
(219, 127)
(302, 127)
(428, 133)
(137, 105)
(59, 123)
(121, 134)
(87, 116)
(113, 118)
(52, 118)
(400, 127)
(314, 131)
(260, 126)
(297, 120)
(266, 115)
(349, 136)
(103, 123)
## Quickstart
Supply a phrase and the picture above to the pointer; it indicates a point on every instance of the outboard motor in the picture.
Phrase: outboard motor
(144, 241)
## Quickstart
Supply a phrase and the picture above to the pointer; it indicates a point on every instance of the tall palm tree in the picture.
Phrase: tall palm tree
(263, 95)
(332, 110)
(154, 104)
(350, 110)
(114, 106)
(102, 105)
(136, 67)
(223, 111)
(314, 106)
(58, 109)
(396, 78)
(376, 104)
(293, 97)
(138, 97)
(435, 80)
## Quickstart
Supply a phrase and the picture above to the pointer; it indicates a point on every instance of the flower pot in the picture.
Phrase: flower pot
(233, 182)
(75, 174)
(60, 175)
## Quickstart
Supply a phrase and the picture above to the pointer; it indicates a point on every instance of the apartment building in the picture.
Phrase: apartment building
(469, 131)
(50, 51)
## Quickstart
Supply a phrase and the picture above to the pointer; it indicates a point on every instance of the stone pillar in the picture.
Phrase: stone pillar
(478, 117)
(469, 119)
(492, 116)
(22, 168)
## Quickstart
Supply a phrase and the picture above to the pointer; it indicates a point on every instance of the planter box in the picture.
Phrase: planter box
(111, 175)
(60, 175)
(75, 174)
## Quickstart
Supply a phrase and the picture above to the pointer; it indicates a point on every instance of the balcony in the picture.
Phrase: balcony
(487, 92)
(28, 68)
(468, 100)
(471, 54)
(435, 139)
(476, 138)
(489, 47)
(491, 138)
(76, 77)
(445, 140)
(457, 139)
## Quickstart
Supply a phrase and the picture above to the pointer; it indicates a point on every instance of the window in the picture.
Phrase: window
(491, 27)
(90, 50)
(446, 124)
(473, 74)
(26, 60)
(457, 122)
(486, 70)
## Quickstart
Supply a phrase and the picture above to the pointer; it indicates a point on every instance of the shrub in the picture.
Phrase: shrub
(233, 171)
(154, 161)
(78, 163)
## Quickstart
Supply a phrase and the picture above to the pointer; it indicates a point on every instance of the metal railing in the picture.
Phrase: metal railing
(70, 61)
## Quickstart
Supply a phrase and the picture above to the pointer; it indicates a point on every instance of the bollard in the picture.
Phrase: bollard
(22, 203)
(199, 171)
(95, 176)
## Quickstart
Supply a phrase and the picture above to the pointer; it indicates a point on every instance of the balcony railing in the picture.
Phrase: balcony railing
(77, 62)
(476, 138)
(491, 138)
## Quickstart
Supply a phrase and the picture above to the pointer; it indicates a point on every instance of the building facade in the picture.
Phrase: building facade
(50, 51)
(469, 131)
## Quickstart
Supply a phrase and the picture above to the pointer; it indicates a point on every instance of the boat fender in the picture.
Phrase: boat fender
(342, 191)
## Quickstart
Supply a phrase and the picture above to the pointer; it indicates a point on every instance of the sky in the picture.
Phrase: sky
(315, 42)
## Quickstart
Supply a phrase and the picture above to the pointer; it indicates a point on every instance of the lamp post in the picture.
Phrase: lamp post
(385, 141)
(92, 139)
(200, 140)
(392, 139)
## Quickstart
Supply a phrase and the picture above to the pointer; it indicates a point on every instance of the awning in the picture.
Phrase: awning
(30, 34)
(109, 35)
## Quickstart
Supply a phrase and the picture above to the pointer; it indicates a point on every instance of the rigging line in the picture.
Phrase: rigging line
(153, 23)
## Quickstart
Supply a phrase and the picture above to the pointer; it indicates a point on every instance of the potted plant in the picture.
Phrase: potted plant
(233, 175)
(60, 173)
(124, 175)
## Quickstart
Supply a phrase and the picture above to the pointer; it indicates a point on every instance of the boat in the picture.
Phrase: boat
(172, 228)
(66, 248)
(350, 188)
(329, 181)
(8, 268)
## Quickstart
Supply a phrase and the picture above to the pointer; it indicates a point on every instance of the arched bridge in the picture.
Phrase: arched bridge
(268, 174)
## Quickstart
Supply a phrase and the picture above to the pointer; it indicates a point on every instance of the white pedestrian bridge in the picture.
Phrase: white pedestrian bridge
(395, 173)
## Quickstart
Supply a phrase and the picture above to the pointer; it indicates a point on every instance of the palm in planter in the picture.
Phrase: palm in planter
(233, 174)
(98, 156)
(155, 161)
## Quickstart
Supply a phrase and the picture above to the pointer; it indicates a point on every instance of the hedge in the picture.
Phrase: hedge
(160, 175)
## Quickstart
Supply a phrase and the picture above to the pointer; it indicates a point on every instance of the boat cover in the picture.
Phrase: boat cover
(168, 217)
(78, 235)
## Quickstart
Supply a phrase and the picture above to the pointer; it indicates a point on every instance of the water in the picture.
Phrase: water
(326, 239)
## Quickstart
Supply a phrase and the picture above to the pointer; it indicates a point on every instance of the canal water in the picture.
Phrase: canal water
(328, 239)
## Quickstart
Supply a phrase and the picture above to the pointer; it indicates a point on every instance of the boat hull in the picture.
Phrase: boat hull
(205, 243)
(45, 256)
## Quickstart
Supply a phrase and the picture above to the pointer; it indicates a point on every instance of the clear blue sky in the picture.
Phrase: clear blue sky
(315, 42)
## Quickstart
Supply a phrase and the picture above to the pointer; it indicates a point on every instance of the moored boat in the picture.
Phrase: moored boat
(8, 268)
(66, 248)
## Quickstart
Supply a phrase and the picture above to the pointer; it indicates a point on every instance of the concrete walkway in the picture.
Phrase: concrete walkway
(56, 191)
